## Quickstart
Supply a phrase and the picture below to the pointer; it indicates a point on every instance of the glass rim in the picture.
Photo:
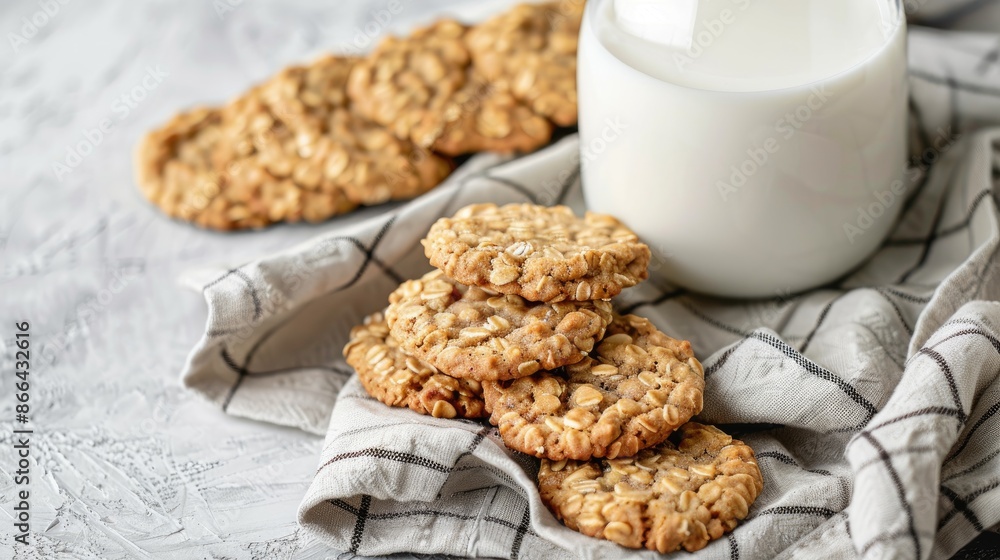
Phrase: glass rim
(898, 13)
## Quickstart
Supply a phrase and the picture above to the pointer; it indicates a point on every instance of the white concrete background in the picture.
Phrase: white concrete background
(126, 463)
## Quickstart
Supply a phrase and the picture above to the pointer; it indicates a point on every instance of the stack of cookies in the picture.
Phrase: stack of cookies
(322, 139)
(516, 324)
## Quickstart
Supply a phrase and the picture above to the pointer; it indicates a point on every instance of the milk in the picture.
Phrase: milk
(749, 142)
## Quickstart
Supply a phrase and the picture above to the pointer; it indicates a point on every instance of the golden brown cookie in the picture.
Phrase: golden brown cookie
(685, 492)
(396, 379)
(539, 253)
(472, 333)
(289, 149)
(174, 169)
(637, 387)
(423, 88)
(531, 51)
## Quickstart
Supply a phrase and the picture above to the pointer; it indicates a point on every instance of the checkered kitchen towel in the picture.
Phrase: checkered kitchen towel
(873, 404)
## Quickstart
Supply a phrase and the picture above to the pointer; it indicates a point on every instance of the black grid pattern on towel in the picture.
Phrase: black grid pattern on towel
(370, 257)
(919, 240)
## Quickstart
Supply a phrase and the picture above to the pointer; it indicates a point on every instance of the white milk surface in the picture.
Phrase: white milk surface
(752, 131)
(742, 45)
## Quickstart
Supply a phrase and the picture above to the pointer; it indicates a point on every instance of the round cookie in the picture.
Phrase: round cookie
(396, 379)
(685, 492)
(539, 253)
(472, 333)
(531, 50)
(328, 141)
(175, 170)
(482, 117)
(637, 387)
(287, 150)
(422, 87)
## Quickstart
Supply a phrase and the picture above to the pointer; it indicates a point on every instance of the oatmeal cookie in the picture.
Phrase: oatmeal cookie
(531, 51)
(637, 387)
(175, 171)
(396, 379)
(287, 150)
(423, 88)
(539, 253)
(472, 333)
(684, 493)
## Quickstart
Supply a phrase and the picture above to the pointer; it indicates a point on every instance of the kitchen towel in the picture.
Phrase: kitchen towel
(873, 404)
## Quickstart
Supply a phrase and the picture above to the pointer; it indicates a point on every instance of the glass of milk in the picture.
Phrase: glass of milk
(758, 146)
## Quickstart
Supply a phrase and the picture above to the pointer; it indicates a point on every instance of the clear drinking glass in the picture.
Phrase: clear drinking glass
(758, 146)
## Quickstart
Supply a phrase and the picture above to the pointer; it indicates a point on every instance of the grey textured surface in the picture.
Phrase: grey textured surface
(127, 464)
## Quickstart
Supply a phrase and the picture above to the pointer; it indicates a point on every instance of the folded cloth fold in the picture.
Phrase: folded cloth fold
(872, 403)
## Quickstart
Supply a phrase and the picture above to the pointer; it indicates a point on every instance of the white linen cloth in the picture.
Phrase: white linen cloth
(873, 404)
